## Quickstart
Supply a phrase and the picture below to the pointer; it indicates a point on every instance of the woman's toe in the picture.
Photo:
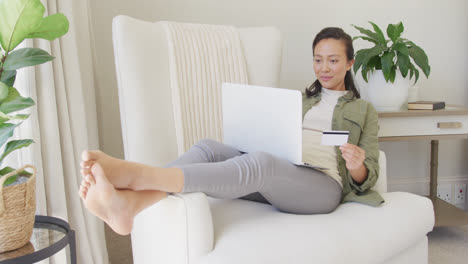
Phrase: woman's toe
(90, 179)
(85, 171)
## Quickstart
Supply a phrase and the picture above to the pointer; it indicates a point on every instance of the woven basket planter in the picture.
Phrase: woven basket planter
(17, 209)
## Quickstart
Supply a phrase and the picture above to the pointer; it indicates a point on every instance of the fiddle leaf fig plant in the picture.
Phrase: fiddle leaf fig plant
(20, 20)
(390, 55)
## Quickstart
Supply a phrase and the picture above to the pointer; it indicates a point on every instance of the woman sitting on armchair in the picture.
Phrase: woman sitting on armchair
(117, 190)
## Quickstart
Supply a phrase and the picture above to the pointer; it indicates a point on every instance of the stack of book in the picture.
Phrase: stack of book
(426, 105)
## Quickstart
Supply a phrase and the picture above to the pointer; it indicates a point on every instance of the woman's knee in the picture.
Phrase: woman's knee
(207, 148)
(215, 151)
(335, 196)
(330, 200)
(265, 158)
(331, 204)
(206, 142)
(306, 201)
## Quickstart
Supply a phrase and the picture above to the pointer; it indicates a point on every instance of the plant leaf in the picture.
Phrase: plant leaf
(18, 19)
(387, 64)
(403, 63)
(358, 59)
(366, 38)
(411, 69)
(374, 63)
(3, 116)
(8, 78)
(12, 94)
(380, 35)
(20, 117)
(12, 178)
(15, 103)
(26, 57)
(364, 55)
(6, 131)
(420, 58)
(51, 27)
(3, 91)
(392, 74)
(375, 51)
(7, 170)
(394, 31)
(15, 145)
(368, 33)
(6, 117)
(401, 47)
(416, 74)
(364, 72)
(400, 28)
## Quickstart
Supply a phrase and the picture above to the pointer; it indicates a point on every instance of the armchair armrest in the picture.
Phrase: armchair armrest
(381, 184)
(164, 232)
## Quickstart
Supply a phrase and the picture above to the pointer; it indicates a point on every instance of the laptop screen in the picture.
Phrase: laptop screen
(257, 118)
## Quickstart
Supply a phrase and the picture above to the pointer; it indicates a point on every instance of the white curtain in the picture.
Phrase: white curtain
(63, 123)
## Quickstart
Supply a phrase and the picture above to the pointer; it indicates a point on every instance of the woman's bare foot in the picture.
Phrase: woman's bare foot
(124, 174)
(112, 206)
(120, 173)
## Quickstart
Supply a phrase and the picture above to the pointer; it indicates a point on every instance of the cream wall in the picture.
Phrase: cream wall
(440, 27)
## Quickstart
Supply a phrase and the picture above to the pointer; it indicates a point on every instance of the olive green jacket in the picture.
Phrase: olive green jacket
(360, 119)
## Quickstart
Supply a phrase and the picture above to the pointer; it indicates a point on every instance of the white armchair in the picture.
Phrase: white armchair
(194, 228)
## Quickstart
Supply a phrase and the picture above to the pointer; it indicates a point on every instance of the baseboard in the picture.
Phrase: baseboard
(420, 185)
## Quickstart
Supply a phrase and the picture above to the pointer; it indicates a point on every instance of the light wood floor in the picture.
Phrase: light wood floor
(448, 245)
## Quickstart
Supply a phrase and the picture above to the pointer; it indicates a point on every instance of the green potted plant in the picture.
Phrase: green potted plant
(389, 66)
(19, 20)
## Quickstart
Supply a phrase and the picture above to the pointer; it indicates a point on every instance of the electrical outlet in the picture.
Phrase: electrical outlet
(460, 194)
(444, 192)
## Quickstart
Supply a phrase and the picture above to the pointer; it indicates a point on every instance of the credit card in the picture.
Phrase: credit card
(334, 138)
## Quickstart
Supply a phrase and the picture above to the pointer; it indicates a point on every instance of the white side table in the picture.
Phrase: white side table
(433, 125)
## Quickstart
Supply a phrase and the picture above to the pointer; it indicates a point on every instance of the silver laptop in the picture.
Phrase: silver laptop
(257, 118)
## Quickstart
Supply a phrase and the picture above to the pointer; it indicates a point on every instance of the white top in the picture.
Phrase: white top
(319, 118)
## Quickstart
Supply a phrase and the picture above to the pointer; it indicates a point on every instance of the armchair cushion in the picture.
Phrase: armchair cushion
(193, 228)
(354, 233)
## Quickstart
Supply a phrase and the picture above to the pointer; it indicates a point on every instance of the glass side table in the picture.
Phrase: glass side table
(50, 235)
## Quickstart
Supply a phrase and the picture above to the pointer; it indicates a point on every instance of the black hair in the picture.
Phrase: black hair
(338, 34)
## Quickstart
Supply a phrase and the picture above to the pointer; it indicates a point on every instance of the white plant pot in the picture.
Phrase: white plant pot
(387, 96)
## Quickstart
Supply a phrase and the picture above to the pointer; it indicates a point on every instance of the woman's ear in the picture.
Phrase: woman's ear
(350, 64)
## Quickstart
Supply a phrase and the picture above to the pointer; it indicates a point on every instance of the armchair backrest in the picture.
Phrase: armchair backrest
(144, 84)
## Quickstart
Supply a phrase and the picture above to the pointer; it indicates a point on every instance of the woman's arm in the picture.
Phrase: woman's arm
(354, 157)
(362, 161)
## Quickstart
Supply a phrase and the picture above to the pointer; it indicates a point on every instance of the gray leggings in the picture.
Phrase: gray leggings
(222, 171)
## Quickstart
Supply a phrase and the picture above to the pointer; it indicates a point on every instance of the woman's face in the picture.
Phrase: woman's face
(331, 63)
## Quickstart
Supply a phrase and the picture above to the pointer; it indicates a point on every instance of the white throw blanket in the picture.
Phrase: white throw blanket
(201, 58)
